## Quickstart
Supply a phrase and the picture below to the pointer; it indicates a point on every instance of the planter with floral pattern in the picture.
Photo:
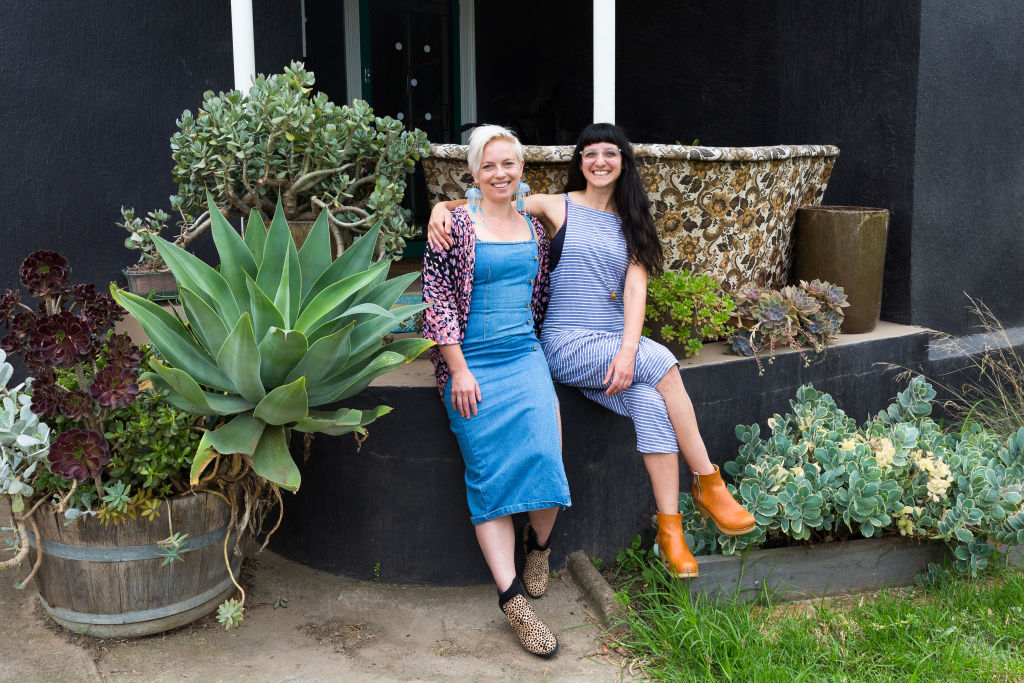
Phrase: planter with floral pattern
(724, 211)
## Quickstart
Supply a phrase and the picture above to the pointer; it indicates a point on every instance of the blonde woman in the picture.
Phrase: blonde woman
(489, 292)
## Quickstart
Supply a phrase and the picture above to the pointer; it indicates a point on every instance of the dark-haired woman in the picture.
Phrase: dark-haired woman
(604, 245)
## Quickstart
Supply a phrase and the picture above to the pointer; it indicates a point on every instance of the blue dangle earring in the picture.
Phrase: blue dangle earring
(474, 197)
(520, 196)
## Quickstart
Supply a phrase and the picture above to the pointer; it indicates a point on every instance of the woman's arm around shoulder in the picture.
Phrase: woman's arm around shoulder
(549, 208)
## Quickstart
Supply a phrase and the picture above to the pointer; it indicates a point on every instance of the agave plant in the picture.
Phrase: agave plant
(273, 334)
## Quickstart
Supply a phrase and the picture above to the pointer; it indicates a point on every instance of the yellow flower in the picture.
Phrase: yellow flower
(848, 445)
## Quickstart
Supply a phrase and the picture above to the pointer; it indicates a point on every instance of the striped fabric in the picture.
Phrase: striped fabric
(582, 331)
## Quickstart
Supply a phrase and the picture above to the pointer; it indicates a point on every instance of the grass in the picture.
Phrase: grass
(988, 388)
(959, 630)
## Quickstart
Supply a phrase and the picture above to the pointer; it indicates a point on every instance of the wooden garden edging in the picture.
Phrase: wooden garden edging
(802, 572)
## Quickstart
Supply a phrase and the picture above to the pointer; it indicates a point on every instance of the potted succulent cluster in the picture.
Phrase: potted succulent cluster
(86, 452)
(270, 342)
(805, 315)
(685, 310)
(148, 276)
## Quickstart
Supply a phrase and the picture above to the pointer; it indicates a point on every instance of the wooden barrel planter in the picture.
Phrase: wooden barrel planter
(108, 582)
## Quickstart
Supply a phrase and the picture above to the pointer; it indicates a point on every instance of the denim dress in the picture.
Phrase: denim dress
(511, 447)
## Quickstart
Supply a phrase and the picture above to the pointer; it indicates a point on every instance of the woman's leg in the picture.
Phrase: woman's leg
(709, 491)
(497, 539)
(684, 422)
(542, 522)
(663, 469)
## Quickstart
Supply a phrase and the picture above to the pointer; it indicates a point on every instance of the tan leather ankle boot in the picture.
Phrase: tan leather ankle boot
(672, 549)
(714, 500)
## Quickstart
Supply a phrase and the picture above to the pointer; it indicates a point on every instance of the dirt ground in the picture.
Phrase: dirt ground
(332, 629)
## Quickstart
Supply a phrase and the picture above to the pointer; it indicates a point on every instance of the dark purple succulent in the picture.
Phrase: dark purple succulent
(22, 325)
(45, 272)
(76, 405)
(115, 386)
(46, 395)
(741, 343)
(101, 309)
(119, 350)
(61, 340)
(9, 301)
(78, 454)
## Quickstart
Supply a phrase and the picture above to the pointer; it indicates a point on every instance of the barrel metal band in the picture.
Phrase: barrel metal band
(125, 553)
(141, 615)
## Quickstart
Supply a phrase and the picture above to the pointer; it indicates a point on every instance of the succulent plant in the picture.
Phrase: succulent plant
(24, 439)
(83, 371)
(45, 272)
(281, 142)
(78, 454)
(819, 476)
(687, 309)
(271, 335)
(808, 314)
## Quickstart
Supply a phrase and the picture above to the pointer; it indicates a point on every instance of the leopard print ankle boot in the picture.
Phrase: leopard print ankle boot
(535, 569)
(533, 633)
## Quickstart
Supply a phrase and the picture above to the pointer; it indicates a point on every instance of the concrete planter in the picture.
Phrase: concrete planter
(724, 211)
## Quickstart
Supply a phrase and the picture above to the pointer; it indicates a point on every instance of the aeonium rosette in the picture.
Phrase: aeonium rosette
(83, 370)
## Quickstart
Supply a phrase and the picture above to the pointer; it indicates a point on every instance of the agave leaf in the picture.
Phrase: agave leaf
(173, 340)
(240, 435)
(239, 358)
(284, 404)
(366, 336)
(280, 273)
(353, 260)
(192, 273)
(410, 347)
(264, 313)
(207, 325)
(352, 385)
(322, 359)
(283, 298)
(280, 350)
(340, 422)
(255, 236)
(334, 299)
(236, 260)
(315, 255)
(386, 293)
(273, 461)
(187, 389)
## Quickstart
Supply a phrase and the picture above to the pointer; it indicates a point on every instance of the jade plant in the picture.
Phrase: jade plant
(821, 477)
(805, 315)
(269, 340)
(688, 310)
(281, 143)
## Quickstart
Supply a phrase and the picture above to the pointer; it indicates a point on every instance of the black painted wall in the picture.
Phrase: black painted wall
(737, 73)
(534, 63)
(969, 163)
(90, 103)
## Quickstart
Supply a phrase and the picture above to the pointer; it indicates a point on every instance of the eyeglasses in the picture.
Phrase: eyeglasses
(609, 153)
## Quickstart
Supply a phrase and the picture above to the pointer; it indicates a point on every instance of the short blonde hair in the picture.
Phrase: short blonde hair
(479, 138)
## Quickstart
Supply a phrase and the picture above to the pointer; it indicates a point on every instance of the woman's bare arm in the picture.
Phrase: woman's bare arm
(634, 301)
(465, 390)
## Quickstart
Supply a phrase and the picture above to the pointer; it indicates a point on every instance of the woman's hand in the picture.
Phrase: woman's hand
(439, 234)
(465, 393)
(620, 372)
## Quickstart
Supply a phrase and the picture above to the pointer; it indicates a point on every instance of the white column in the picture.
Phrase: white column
(604, 61)
(467, 62)
(243, 44)
(353, 52)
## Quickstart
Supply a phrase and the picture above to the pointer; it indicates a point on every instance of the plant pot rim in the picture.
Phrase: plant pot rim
(843, 209)
(560, 153)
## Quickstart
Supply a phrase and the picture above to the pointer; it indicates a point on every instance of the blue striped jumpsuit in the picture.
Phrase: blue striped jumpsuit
(583, 327)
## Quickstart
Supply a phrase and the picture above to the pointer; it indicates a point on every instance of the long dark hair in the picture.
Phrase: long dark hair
(631, 202)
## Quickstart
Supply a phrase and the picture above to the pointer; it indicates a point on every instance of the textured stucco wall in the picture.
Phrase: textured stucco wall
(969, 170)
